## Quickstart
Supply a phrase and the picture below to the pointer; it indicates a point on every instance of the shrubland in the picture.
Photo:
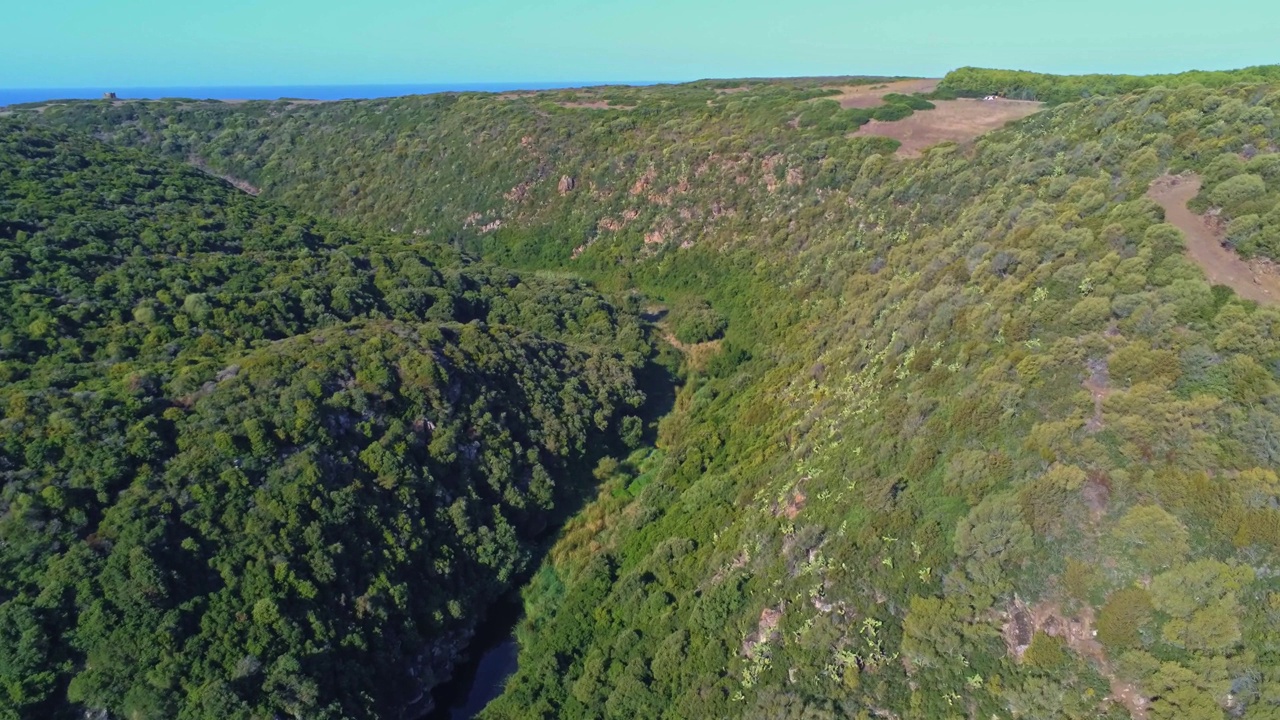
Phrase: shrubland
(257, 464)
(1054, 89)
(970, 407)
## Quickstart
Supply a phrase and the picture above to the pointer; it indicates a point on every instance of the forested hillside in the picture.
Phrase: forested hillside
(646, 166)
(979, 441)
(1010, 414)
(255, 464)
(977, 82)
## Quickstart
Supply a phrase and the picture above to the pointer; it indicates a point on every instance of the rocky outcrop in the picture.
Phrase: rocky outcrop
(434, 666)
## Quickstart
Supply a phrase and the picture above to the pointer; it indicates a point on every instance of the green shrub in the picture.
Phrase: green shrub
(846, 121)
(1268, 167)
(915, 102)
(1122, 618)
(1223, 168)
(976, 82)
(697, 322)
(727, 360)
(891, 112)
(1235, 192)
(1046, 652)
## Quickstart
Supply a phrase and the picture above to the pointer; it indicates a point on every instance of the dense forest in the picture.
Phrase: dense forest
(1054, 89)
(637, 163)
(254, 464)
(970, 435)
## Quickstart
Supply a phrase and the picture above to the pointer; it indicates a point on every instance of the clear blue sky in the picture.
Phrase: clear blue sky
(130, 43)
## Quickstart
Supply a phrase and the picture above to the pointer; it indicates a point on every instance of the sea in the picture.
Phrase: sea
(276, 92)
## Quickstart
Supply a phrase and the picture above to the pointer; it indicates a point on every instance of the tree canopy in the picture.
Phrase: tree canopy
(968, 408)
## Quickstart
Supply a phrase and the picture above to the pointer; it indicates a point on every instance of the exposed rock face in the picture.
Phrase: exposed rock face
(519, 193)
(645, 182)
(567, 184)
(1018, 629)
(239, 184)
(766, 631)
(433, 667)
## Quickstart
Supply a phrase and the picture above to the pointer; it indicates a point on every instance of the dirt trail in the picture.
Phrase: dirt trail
(1079, 634)
(1098, 385)
(1204, 242)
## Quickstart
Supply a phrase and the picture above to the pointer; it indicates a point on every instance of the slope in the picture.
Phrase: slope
(252, 463)
(1010, 413)
(646, 167)
(1023, 85)
(971, 406)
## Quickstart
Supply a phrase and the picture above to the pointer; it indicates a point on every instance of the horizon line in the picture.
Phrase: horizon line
(570, 84)
(369, 84)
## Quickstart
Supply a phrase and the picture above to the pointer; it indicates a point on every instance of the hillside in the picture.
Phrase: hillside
(648, 166)
(977, 82)
(969, 409)
(257, 464)
(1009, 414)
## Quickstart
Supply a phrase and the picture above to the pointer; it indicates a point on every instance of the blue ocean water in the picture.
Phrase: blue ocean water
(275, 92)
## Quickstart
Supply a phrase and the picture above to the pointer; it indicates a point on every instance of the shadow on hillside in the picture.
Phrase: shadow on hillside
(482, 669)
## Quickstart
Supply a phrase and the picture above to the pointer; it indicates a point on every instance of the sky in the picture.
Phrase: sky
(141, 43)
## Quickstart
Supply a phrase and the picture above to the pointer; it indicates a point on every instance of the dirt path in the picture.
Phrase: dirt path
(1082, 638)
(1204, 242)
(1098, 385)
(952, 120)
(1079, 634)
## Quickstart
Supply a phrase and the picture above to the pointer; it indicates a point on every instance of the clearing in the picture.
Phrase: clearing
(953, 120)
(698, 354)
(869, 96)
(1022, 621)
(1254, 280)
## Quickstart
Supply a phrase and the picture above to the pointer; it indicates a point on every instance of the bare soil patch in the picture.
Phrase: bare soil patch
(1205, 246)
(1097, 495)
(699, 354)
(1098, 385)
(953, 120)
(869, 96)
(766, 631)
(242, 185)
(793, 506)
(1079, 634)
